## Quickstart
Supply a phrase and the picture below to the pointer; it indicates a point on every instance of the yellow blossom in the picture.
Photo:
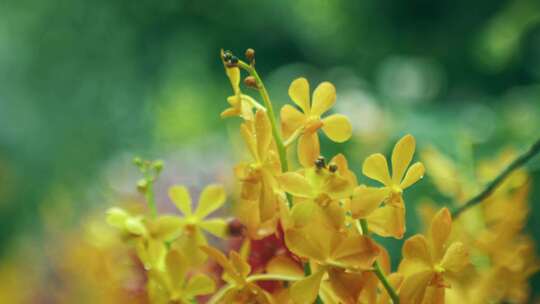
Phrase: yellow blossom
(428, 262)
(308, 121)
(235, 272)
(329, 247)
(173, 283)
(388, 220)
(258, 206)
(212, 197)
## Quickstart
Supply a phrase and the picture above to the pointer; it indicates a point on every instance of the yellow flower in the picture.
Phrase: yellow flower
(150, 235)
(212, 197)
(235, 272)
(173, 284)
(257, 209)
(337, 127)
(311, 235)
(427, 263)
(390, 219)
(320, 184)
(240, 104)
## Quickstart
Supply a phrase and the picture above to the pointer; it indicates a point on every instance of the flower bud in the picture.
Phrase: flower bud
(250, 54)
(235, 228)
(142, 185)
(251, 82)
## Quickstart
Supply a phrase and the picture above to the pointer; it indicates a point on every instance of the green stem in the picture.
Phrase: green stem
(488, 190)
(270, 112)
(150, 199)
(378, 271)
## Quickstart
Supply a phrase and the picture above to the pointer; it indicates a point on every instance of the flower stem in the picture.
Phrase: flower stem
(516, 164)
(378, 271)
(150, 199)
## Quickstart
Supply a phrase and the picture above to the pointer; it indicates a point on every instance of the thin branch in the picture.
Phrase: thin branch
(488, 190)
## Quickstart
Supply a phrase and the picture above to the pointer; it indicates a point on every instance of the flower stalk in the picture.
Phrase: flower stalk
(378, 271)
(490, 188)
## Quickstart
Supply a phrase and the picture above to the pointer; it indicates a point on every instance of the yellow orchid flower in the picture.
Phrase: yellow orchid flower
(390, 219)
(257, 209)
(428, 262)
(235, 272)
(306, 123)
(321, 183)
(376, 167)
(150, 235)
(310, 235)
(174, 285)
(212, 197)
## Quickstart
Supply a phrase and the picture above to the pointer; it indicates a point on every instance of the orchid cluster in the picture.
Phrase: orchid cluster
(322, 223)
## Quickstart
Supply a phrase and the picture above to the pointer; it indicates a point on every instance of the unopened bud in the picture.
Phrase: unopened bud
(137, 161)
(158, 165)
(250, 54)
(142, 185)
(250, 81)
(235, 228)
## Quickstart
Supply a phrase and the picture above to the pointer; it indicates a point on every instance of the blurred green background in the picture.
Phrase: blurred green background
(85, 86)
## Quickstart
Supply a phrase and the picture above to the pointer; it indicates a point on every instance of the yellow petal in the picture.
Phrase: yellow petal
(415, 173)
(337, 127)
(434, 295)
(343, 168)
(366, 199)
(263, 132)
(291, 120)
(308, 149)
(456, 257)
(229, 112)
(416, 248)
(234, 76)
(376, 167)
(295, 184)
(135, 226)
(357, 252)
(302, 213)
(306, 290)
(249, 139)
(212, 197)
(299, 93)
(241, 267)
(200, 284)
(176, 266)
(413, 287)
(402, 156)
(217, 226)
(346, 285)
(283, 265)
(188, 244)
(219, 257)
(167, 227)
(179, 195)
(117, 217)
(324, 98)
(441, 225)
(299, 243)
(387, 221)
